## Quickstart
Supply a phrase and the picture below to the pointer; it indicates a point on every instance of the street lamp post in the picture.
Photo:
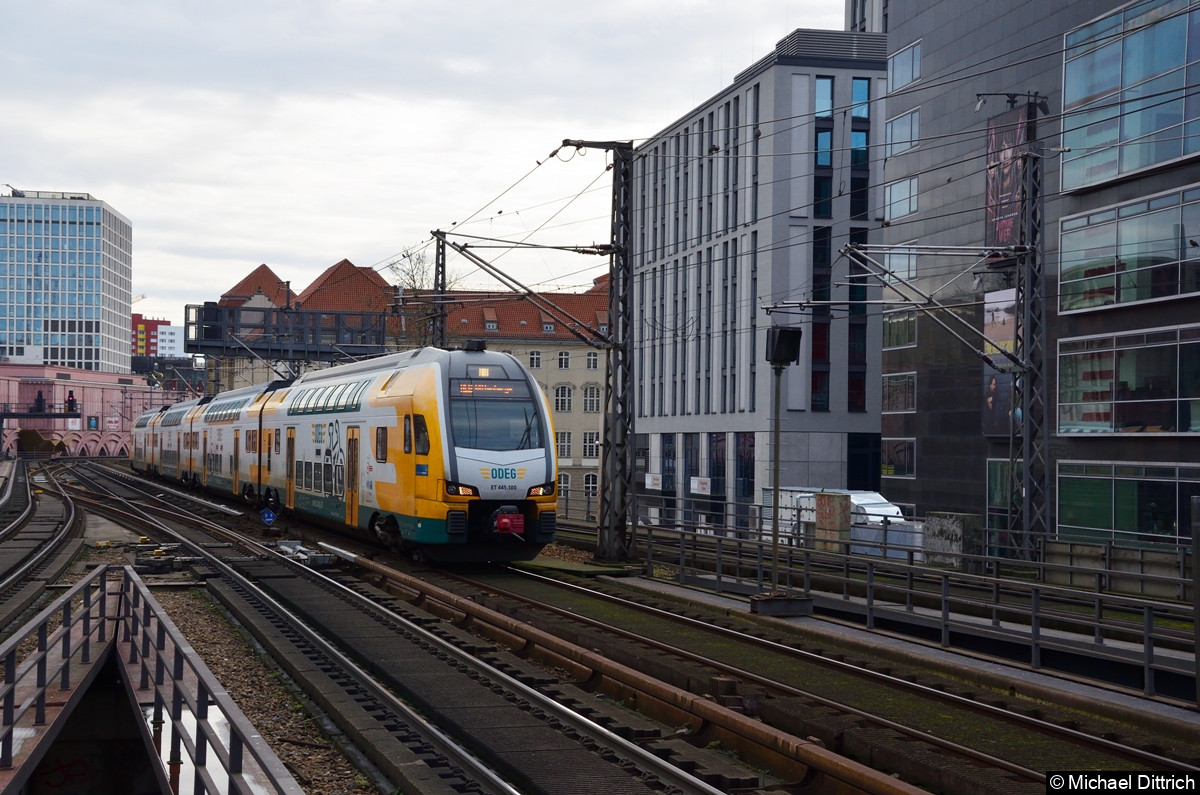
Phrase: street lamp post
(783, 348)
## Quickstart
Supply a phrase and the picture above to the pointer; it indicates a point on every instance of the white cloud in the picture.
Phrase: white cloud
(301, 133)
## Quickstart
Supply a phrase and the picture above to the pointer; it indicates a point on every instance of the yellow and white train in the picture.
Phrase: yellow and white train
(447, 454)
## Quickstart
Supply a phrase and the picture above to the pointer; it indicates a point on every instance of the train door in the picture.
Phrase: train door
(204, 460)
(178, 454)
(237, 460)
(352, 444)
(290, 497)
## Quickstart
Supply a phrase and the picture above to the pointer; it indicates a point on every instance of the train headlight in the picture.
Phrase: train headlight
(544, 490)
(460, 490)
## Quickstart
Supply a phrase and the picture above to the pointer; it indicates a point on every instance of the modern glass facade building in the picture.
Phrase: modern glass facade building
(1113, 93)
(740, 208)
(65, 278)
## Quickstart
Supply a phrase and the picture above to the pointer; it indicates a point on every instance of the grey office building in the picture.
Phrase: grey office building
(1058, 146)
(740, 207)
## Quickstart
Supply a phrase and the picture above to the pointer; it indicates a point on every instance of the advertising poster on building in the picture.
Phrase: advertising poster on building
(1000, 328)
(1007, 134)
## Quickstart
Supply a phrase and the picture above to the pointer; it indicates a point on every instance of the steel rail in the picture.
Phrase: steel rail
(808, 753)
(666, 772)
(1047, 727)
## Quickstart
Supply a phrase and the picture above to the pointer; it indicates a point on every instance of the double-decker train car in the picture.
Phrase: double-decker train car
(444, 453)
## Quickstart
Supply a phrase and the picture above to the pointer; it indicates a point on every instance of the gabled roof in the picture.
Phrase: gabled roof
(345, 287)
(262, 280)
(514, 317)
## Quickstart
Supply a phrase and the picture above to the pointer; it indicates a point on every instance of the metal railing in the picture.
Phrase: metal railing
(67, 661)
(1022, 609)
(207, 733)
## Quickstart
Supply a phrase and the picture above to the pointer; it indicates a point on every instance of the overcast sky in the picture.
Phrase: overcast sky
(297, 133)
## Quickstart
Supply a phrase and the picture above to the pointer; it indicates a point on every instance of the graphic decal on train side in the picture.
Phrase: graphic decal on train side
(325, 474)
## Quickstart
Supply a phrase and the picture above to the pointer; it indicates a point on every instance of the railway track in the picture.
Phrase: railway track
(1118, 641)
(942, 736)
(39, 538)
(811, 733)
(483, 722)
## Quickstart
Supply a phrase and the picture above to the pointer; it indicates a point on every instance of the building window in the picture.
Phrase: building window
(904, 66)
(535, 360)
(1124, 87)
(491, 325)
(899, 392)
(562, 398)
(820, 390)
(547, 327)
(1125, 501)
(1132, 383)
(856, 343)
(856, 392)
(899, 458)
(591, 399)
(900, 199)
(564, 360)
(823, 150)
(820, 342)
(1139, 251)
(860, 96)
(564, 485)
(823, 196)
(593, 360)
(562, 441)
(591, 485)
(860, 154)
(823, 102)
(591, 444)
(858, 16)
(900, 328)
(901, 263)
(860, 198)
(902, 132)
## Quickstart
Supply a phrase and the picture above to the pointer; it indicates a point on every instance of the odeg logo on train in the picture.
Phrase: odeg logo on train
(502, 473)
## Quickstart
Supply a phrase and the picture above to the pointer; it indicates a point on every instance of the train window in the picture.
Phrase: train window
(350, 400)
(408, 434)
(337, 397)
(422, 434)
(381, 445)
(277, 443)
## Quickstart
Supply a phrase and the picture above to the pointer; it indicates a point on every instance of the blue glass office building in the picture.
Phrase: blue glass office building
(65, 278)
(1117, 122)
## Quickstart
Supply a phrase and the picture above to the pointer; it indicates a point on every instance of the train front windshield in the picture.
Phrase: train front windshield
(494, 415)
